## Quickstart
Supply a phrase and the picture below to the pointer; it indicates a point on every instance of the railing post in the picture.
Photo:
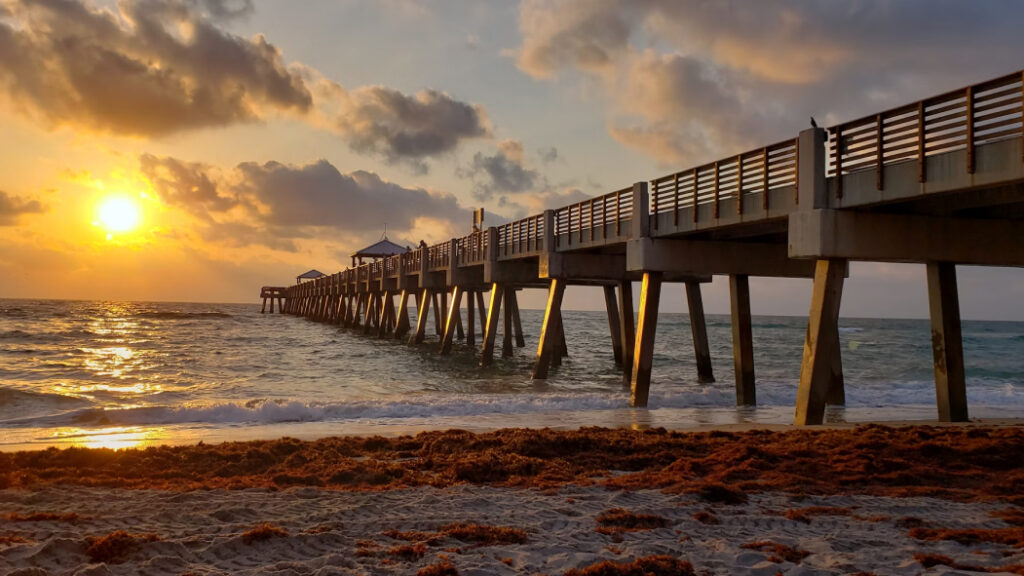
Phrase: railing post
(641, 225)
(922, 170)
(811, 183)
(969, 105)
(492, 244)
(453, 259)
(549, 230)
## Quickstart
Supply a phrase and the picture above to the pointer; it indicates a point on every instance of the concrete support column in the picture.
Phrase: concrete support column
(487, 354)
(438, 307)
(470, 319)
(550, 331)
(506, 336)
(643, 352)
(453, 314)
(742, 340)
(837, 387)
(517, 322)
(483, 317)
(371, 313)
(628, 334)
(402, 322)
(699, 330)
(422, 316)
(947, 343)
(819, 353)
(613, 322)
(387, 315)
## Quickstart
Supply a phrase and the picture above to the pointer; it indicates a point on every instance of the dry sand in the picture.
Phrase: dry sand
(332, 532)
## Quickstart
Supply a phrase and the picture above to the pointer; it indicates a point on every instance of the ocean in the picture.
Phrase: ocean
(124, 374)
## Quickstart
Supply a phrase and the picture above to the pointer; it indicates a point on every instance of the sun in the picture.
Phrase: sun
(118, 214)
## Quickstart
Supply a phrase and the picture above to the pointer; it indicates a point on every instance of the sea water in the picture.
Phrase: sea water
(121, 374)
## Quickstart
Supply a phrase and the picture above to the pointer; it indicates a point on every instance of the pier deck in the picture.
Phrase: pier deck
(939, 181)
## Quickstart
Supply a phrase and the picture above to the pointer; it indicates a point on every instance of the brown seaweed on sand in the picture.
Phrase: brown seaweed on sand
(264, 531)
(957, 463)
(618, 520)
(646, 566)
(113, 547)
(779, 552)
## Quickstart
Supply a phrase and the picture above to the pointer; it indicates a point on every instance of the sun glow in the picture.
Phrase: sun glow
(118, 214)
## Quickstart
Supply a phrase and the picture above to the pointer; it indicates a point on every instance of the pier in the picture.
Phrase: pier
(939, 182)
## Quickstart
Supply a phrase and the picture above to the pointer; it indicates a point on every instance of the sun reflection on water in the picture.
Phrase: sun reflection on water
(114, 438)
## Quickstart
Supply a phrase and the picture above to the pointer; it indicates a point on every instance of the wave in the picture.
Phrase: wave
(182, 315)
(22, 404)
(431, 407)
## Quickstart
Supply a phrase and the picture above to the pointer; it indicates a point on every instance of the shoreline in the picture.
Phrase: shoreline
(120, 435)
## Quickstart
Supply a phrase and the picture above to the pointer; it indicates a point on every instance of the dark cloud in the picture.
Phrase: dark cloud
(504, 172)
(226, 9)
(548, 155)
(407, 129)
(319, 195)
(274, 203)
(689, 81)
(155, 67)
(12, 207)
(186, 184)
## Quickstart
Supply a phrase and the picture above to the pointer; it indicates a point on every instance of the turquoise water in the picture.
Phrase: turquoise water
(124, 374)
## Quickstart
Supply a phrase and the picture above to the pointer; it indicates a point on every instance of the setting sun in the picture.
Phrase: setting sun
(118, 214)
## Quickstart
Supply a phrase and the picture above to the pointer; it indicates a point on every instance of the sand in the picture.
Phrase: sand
(544, 528)
(331, 532)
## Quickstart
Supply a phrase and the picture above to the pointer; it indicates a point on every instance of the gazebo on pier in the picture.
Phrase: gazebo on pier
(381, 249)
(309, 276)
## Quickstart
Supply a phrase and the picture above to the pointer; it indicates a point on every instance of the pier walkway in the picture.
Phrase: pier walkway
(939, 181)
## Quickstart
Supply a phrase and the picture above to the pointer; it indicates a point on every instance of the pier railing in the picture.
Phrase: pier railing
(471, 249)
(957, 120)
(751, 173)
(521, 238)
(601, 220)
(752, 181)
(439, 256)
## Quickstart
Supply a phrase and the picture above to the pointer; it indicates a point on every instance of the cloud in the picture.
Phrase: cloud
(502, 173)
(275, 204)
(226, 9)
(584, 33)
(551, 199)
(407, 128)
(548, 155)
(688, 82)
(12, 207)
(153, 68)
(186, 184)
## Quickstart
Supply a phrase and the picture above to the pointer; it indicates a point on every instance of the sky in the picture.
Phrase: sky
(194, 150)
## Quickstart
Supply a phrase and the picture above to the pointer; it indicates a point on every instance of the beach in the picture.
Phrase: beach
(869, 499)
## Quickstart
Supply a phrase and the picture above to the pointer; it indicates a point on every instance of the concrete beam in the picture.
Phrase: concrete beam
(510, 272)
(713, 257)
(582, 266)
(826, 234)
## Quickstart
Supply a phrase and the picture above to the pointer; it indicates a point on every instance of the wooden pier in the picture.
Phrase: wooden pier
(940, 182)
